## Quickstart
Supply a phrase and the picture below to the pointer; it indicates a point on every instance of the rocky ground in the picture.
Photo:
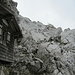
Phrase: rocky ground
(43, 50)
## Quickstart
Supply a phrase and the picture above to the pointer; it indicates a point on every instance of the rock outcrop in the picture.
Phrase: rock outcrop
(11, 5)
(51, 50)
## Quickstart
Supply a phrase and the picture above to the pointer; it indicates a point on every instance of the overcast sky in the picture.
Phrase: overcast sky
(60, 13)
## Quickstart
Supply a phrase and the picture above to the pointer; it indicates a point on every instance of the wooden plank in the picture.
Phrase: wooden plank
(6, 54)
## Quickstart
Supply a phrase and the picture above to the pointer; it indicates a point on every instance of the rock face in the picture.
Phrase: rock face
(43, 50)
(51, 50)
(11, 5)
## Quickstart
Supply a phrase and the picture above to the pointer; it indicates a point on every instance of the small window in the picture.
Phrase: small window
(5, 22)
(8, 36)
(4, 38)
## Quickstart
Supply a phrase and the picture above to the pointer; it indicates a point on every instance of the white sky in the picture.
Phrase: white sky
(60, 13)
